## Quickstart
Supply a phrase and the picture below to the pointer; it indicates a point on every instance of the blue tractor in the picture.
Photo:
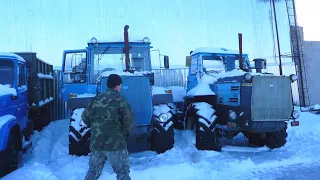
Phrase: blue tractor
(224, 98)
(85, 73)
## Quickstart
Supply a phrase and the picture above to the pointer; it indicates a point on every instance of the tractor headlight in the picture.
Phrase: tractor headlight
(247, 76)
(146, 40)
(232, 115)
(295, 114)
(293, 77)
(163, 117)
(94, 40)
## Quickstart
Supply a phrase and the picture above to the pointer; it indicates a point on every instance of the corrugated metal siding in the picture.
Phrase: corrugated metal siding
(312, 66)
(174, 26)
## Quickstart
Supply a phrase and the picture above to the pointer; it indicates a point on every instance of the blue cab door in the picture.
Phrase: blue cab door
(22, 93)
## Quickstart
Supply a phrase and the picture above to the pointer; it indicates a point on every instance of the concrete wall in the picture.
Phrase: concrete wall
(312, 64)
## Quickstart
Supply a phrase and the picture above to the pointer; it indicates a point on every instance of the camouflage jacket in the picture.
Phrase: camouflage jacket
(109, 116)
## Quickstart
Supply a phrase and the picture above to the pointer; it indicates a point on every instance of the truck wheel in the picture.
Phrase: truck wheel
(204, 127)
(162, 136)
(79, 136)
(10, 157)
(276, 139)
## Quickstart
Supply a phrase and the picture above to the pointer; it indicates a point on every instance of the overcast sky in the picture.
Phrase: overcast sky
(308, 15)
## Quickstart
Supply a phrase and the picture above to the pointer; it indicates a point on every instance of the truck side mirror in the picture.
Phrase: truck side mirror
(166, 62)
(188, 61)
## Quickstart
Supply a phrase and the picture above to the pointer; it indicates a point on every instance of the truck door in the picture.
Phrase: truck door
(22, 93)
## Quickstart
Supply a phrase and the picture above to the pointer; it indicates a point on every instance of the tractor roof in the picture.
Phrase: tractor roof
(214, 50)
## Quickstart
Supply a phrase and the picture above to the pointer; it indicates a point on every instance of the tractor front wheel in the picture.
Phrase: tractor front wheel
(162, 137)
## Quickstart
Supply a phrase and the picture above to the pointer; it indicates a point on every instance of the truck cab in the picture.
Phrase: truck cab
(13, 109)
(26, 95)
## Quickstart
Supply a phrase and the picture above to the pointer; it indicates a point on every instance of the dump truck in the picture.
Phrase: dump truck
(26, 93)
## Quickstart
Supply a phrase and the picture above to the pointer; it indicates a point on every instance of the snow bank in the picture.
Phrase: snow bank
(7, 90)
(45, 76)
(5, 119)
(7, 54)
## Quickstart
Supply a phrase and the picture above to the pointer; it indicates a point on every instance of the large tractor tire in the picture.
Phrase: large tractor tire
(79, 136)
(200, 117)
(255, 139)
(162, 137)
(10, 156)
(277, 139)
(162, 134)
(177, 115)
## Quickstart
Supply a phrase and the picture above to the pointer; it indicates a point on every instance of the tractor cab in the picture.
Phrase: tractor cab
(82, 68)
(216, 60)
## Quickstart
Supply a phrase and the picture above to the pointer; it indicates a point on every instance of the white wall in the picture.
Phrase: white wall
(311, 50)
(174, 26)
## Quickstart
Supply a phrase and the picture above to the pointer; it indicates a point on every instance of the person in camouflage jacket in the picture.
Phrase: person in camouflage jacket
(111, 119)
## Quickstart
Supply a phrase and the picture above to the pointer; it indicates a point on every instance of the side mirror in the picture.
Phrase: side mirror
(188, 61)
(166, 62)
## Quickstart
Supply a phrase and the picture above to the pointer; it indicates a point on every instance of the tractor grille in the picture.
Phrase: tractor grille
(271, 98)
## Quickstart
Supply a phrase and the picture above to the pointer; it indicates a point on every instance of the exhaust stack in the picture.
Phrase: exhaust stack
(126, 48)
(240, 51)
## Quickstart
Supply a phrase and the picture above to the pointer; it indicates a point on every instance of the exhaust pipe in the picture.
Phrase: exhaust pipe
(240, 51)
(126, 48)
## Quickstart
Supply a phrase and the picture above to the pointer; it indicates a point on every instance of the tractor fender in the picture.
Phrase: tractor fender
(5, 129)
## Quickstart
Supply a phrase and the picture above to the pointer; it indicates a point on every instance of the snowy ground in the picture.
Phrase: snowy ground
(299, 159)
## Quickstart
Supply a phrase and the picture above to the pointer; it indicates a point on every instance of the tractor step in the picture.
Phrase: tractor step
(26, 145)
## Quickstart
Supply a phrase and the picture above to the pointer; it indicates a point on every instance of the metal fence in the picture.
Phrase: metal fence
(166, 78)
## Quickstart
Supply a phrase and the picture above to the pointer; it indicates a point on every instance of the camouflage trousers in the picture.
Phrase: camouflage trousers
(119, 161)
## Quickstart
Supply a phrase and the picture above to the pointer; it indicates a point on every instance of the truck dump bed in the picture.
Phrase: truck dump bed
(40, 79)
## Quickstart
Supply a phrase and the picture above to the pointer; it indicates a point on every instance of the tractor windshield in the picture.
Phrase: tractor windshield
(218, 64)
(113, 58)
(212, 64)
(6, 71)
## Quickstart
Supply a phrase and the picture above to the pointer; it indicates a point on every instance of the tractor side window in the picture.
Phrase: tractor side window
(194, 65)
(75, 67)
(21, 76)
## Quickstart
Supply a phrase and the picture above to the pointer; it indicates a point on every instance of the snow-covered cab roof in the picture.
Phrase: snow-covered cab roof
(215, 50)
(9, 55)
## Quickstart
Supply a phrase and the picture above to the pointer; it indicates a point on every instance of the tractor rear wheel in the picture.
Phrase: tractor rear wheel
(277, 139)
(255, 139)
